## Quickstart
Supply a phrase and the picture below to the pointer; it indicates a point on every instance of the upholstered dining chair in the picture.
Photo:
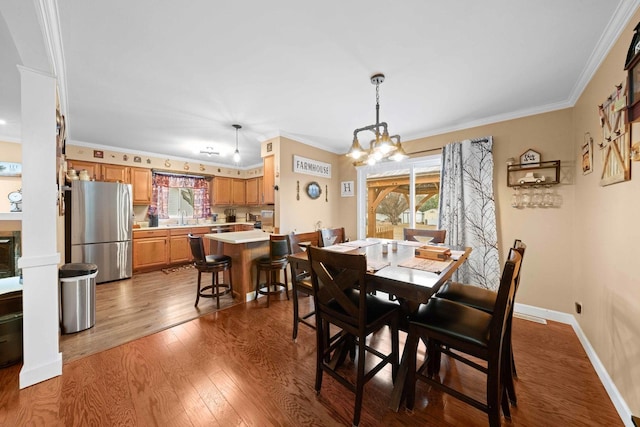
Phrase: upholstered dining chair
(485, 300)
(214, 264)
(271, 265)
(341, 299)
(461, 331)
(331, 236)
(437, 236)
(301, 280)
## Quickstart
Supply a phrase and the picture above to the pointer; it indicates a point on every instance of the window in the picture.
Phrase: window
(179, 201)
(401, 194)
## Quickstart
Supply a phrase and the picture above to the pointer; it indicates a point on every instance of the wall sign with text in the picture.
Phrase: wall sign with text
(311, 167)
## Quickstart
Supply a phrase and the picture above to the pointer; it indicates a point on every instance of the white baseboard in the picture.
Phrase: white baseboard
(29, 377)
(621, 406)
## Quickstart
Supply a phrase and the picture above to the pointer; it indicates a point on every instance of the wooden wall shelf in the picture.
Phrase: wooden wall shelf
(543, 173)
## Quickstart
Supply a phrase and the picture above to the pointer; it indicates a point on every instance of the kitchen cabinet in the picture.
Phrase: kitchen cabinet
(238, 192)
(150, 250)
(141, 183)
(115, 173)
(243, 227)
(269, 180)
(179, 248)
(93, 169)
(254, 191)
(221, 191)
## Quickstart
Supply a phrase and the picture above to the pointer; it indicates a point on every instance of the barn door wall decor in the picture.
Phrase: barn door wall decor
(615, 145)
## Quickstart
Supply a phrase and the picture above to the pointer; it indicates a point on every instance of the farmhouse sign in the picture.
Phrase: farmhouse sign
(311, 167)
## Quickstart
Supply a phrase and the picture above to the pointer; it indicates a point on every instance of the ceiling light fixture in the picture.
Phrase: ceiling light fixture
(209, 151)
(236, 154)
(383, 146)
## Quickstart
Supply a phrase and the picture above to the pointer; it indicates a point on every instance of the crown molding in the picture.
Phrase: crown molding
(624, 12)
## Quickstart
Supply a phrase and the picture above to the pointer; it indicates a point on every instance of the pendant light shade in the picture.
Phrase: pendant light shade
(236, 154)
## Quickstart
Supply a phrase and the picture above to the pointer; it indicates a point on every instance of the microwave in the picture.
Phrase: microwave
(266, 217)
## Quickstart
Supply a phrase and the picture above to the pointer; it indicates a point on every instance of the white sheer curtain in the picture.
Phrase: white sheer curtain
(467, 209)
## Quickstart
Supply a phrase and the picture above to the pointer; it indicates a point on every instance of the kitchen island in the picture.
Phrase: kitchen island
(243, 247)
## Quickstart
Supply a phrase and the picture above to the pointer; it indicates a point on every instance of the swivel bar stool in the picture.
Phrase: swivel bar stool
(213, 264)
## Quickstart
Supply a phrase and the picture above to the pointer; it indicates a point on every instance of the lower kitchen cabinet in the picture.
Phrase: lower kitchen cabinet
(150, 250)
(180, 251)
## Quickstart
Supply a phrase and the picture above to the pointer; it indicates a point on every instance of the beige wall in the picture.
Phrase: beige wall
(302, 215)
(605, 277)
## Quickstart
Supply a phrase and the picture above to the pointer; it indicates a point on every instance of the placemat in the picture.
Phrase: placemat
(430, 265)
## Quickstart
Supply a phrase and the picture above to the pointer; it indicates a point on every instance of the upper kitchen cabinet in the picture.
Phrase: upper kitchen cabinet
(269, 180)
(115, 173)
(254, 191)
(141, 182)
(238, 193)
(93, 169)
(221, 194)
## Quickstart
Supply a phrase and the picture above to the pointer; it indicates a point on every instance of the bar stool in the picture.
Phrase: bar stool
(213, 264)
(271, 264)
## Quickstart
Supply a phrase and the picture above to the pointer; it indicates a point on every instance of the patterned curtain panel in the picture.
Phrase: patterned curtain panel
(160, 194)
(468, 211)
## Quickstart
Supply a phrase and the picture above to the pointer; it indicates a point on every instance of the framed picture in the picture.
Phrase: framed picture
(587, 155)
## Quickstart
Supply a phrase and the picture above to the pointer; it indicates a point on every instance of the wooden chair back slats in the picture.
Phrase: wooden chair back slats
(438, 236)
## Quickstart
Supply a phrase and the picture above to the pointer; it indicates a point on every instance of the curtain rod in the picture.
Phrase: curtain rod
(184, 175)
(473, 141)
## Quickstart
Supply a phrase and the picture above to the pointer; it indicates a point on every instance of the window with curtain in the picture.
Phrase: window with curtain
(173, 193)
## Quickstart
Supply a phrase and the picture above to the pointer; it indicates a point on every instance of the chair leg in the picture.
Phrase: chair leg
(215, 289)
(412, 354)
(286, 281)
(359, 380)
(257, 282)
(320, 346)
(295, 312)
(198, 293)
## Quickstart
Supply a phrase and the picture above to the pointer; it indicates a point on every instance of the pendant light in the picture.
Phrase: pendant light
(236, 154)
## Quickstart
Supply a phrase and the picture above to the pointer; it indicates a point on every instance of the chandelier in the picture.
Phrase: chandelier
(383, 146)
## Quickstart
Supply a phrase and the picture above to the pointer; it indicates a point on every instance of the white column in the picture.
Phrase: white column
(39, 261)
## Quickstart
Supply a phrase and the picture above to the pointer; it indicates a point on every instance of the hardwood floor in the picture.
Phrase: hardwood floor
(147, 303)
(239, 366)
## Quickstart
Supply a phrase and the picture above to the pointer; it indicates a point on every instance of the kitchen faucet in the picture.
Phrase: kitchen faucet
(182, 214)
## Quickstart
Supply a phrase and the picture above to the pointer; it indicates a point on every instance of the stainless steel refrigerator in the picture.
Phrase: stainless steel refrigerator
(99, 226)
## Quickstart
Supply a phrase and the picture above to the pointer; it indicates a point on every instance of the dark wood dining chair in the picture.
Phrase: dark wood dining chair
(271, 265)
(301, 279)
(461, 331)
(341, 299)
(485, 300)
(437, 236)
(330, 236)
(214, 264)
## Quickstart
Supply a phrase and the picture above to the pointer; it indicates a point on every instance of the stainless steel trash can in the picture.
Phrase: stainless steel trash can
(77, 297)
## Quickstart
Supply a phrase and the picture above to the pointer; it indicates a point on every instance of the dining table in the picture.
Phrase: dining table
(393, 268)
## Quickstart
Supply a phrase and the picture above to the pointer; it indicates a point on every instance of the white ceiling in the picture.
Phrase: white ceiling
(171, 78)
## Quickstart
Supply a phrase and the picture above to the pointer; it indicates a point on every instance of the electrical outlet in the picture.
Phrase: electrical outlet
(578, 307)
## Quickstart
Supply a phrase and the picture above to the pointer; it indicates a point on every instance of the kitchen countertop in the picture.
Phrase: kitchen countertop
(236, 237)
(210, 224)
